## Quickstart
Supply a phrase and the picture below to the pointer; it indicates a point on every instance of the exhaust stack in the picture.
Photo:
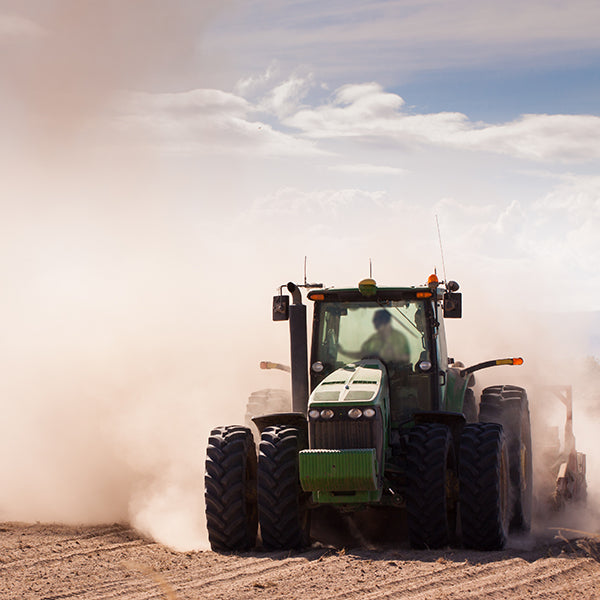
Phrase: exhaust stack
(298, 350)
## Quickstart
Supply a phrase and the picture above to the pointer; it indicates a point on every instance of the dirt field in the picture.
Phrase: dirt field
(113, 561)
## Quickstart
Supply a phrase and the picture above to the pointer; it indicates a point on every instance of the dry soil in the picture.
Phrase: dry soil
(114, 561)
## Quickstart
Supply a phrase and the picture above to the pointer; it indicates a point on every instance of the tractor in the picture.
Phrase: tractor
(381, 418)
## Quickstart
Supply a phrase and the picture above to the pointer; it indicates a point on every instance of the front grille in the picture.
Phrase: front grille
(342, 434)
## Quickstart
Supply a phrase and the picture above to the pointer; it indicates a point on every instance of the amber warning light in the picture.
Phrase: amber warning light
(492, 363)
(510, 361)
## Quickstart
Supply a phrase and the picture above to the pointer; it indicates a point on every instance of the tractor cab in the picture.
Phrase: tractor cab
(399, 327)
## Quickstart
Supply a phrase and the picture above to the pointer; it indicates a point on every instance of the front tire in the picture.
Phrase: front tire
(282, 505)
(483, 481)
(430, 473)
(230, 489)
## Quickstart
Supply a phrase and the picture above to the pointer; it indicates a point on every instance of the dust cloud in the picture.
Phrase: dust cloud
(120, 350)
(135, 309)
(124, 338)
(557, 352)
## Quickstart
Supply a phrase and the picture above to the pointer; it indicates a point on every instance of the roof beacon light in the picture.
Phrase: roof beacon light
(433, 281)
(367, 287)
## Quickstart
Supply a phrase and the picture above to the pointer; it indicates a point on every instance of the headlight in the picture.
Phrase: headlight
(327, 413)
(424, 365)
(355, 413)
(314, 413)
(369, 413)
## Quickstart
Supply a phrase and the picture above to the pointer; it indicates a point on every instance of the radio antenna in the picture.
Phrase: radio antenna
(370, 268)
(306, 283)
(437, 222)
(305, 280)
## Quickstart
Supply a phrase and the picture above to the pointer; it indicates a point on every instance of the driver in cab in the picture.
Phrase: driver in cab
(388, 343)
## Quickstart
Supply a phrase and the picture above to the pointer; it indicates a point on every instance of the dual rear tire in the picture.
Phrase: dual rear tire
(481, 485)
(484, 487)
(430, 477)
(282, 505)
(508, 406)
(230, 489)
(241, 492)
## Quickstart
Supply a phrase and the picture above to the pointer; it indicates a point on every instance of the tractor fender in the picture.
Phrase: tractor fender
(292, 419)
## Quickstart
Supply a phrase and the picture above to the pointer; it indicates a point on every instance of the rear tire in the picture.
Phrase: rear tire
(282, 505)
(430, 470)
(230, 489)
(470, 406)
(483, 480)
(508, 406)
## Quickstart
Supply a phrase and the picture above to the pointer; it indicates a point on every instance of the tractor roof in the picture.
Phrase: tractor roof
(376, 294)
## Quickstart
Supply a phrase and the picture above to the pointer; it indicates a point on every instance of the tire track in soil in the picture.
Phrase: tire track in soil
(95, 563)
(514, 578)
(242, 573)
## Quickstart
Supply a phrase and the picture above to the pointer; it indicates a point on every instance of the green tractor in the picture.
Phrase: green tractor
(382, 419)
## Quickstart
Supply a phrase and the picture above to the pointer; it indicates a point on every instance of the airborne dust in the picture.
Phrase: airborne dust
(135, 313)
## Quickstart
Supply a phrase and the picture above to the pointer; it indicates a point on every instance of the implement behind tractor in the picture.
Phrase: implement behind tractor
(382, 419)
(564, 469)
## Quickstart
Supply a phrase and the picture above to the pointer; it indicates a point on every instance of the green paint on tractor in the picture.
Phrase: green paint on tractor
(381, 418)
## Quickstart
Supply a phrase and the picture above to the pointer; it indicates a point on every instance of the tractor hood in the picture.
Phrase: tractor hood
(357, 383)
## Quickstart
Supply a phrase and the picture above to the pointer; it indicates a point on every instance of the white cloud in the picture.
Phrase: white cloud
(194, 102)
(327, 203)
(204, 121)
(368, 111)
(285, 97)
(250, 84)
(354, 110)
(368, 169)
(539, 137)
(570, 216)
(550, 244)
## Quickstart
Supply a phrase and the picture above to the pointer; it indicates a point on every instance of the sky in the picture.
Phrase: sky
(330, 126)
(165, 167)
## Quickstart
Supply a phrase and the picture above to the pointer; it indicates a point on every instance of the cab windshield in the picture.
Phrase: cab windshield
(394, 331)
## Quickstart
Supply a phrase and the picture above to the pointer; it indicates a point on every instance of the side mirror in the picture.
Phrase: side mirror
(281, 308)
(452, 305)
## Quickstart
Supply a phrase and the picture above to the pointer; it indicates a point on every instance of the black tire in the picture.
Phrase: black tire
(230, 489)
(470, 406)
(430, 471)
(282, 505)
(508, 406)
(484, 487)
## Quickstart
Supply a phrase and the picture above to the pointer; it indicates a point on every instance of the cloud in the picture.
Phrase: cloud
(570, 217)
(204, 121)
(367, 111)
(248, 85)
(342, 40)
(550, 243)
(355, 110)
(62, 61)
(285, 97)
(539, 137)
(368, 169)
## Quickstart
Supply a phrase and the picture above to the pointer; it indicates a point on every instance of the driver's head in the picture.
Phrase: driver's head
(381, 317)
